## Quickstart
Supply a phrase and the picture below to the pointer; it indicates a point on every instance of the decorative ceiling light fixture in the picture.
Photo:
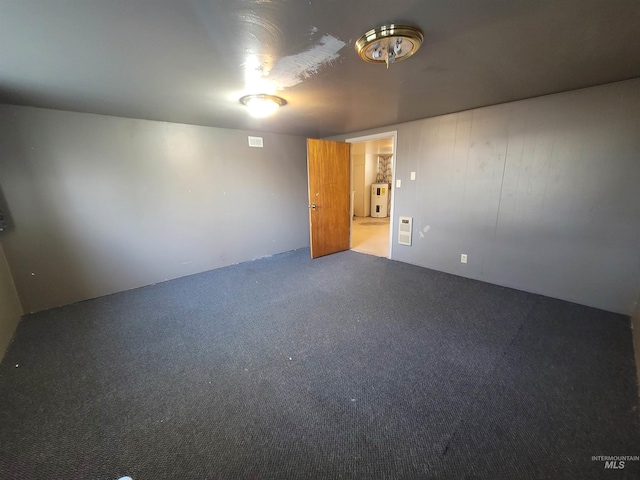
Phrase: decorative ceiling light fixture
(389, 43)
(262, 105)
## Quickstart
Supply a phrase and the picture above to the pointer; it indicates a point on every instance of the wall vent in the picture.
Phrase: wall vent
(405, 227)
(255, 142)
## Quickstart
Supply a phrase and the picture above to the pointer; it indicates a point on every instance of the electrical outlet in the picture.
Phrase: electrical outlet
(398, 183)
(463, 258)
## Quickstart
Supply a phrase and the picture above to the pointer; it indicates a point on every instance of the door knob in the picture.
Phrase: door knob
(312, 206)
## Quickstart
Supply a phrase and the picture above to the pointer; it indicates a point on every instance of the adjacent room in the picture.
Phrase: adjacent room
(290, 240)
(371, 190)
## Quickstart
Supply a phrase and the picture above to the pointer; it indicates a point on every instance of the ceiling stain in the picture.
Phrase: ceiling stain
(189, 61)
(261, 30)
(294, 69)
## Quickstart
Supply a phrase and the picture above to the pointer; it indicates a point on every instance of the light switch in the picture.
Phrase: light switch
(398, 183)
(413, 175)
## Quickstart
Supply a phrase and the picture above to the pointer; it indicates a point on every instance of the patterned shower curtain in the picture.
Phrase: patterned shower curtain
(384, 175)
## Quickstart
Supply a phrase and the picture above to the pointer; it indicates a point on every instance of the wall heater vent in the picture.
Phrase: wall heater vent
(255, 142)
(405, 227)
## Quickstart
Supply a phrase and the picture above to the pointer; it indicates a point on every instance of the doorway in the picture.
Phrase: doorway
(372, 193)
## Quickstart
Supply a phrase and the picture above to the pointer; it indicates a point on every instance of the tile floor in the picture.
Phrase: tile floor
(370, 235)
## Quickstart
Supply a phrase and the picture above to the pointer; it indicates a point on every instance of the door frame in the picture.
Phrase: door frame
(366, 138)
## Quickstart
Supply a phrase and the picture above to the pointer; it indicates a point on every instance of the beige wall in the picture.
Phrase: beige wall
(359, 201)
(10, 310)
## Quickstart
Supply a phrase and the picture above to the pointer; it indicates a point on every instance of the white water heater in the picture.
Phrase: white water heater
(379, 199)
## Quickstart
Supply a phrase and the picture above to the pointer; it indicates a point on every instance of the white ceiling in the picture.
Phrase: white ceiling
(190, 61)
(373, 146)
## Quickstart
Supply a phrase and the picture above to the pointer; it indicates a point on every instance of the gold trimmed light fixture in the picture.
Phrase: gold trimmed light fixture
(389, 43)
(262, 105)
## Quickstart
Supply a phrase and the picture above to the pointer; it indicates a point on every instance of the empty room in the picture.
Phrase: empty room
(277, 239)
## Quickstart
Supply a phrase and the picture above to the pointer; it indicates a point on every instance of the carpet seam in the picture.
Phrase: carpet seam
(483, 383)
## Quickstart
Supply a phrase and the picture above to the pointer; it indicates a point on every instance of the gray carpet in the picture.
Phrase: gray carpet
(345, 367)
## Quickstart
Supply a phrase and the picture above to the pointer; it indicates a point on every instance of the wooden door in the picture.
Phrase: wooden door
(329, 196)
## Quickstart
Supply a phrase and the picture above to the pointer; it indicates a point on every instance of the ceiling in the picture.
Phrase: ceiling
(189, 61)
(373, 146)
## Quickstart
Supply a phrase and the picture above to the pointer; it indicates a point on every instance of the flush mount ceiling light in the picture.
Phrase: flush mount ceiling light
(262, 105)
(389, 43)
